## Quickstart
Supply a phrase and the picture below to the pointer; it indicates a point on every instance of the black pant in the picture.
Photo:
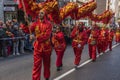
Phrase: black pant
(3, 48)
(68, 40)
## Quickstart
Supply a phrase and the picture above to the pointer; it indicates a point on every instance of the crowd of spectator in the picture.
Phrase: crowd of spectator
(12, 38)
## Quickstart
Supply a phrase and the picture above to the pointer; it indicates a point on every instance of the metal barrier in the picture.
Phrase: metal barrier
(12, 38)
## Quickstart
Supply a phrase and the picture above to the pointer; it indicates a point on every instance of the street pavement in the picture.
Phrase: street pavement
(107, 67)
(20, 67)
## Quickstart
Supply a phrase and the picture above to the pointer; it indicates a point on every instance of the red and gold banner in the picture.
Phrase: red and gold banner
(70, 9)
(104, 17)
(84, 10)
(48, 0)
(58, 15)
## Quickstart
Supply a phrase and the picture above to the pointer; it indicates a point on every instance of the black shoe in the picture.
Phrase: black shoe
(0, 55)
(61, 65)
(59, 68)
(93, 60)
(76, 67)
(90, 58)
(47, 79)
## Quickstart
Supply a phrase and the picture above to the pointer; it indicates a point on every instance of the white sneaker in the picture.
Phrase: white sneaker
(13, 53)
(17, 53)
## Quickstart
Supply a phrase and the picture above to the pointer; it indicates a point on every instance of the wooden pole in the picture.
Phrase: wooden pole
(108, 7)
(26, 17)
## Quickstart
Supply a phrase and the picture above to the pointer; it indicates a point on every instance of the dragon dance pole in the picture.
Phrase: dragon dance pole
(108, 7)
(26, 17)
(75, 17)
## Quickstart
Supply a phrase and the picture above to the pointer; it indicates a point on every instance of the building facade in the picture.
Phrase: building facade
(115, 7)
(1, 10)
(101, 6)
(8, 10)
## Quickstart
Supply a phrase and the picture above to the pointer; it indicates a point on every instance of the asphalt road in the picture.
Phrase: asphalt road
(107, 67)
(20, 67)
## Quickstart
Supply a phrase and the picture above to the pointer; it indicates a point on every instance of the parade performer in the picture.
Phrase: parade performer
(106, 38)
(117, 35)
(102, 40)
(110, 39)
(92, 44)
(42, 46)
(79, 39)
(99, 43)
(59, 44)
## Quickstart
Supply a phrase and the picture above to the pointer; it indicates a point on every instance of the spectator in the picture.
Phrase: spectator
(22, 34)
(16, 40)
(15, 22)
(27, 43)
(9, 26)
(3, 42)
